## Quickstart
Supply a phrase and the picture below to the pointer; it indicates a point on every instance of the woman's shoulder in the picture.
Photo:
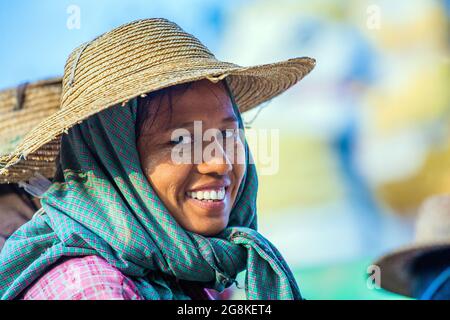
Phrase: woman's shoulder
(83, 278)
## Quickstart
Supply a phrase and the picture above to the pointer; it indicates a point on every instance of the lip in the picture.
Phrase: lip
(209, 186)
(213, 205)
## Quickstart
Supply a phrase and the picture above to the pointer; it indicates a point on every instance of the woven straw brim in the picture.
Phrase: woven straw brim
(395, 267)
(21, 109)
(250, 86)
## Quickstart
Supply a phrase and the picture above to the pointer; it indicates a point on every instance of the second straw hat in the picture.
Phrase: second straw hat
(140, 57)
(21, 109)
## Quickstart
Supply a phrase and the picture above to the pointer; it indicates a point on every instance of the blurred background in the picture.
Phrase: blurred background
(363, 139)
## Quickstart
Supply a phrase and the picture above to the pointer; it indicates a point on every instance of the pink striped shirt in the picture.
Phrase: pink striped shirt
(86, 278)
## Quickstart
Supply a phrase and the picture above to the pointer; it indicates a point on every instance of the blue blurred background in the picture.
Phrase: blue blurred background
(364, 138)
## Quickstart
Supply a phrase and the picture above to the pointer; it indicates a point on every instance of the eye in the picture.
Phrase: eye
(181, 140)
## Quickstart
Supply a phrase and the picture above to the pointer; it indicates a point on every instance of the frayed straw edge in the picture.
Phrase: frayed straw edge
(10, 161)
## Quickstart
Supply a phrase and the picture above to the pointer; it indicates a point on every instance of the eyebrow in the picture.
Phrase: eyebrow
(188, 124)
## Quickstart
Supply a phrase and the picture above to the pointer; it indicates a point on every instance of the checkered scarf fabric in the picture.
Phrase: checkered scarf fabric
(105, 206)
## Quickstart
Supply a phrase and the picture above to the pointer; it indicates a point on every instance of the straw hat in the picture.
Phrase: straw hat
(21, 109)
(137, 58)
(432, 235)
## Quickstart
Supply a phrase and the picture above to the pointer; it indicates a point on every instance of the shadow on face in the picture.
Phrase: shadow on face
(196, 117)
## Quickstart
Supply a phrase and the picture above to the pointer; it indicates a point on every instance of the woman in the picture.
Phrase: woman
(124, 219)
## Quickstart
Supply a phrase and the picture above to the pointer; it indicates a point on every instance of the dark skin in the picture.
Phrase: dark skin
(173, 182)
(14, 212)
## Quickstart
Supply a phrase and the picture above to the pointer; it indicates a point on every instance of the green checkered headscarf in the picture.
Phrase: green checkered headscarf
(105, 206)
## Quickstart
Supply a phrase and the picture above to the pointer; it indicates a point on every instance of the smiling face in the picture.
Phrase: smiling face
(198, 194)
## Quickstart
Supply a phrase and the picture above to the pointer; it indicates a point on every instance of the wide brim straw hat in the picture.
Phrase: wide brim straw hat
(21, 109)
(432, 236)
(137, 58)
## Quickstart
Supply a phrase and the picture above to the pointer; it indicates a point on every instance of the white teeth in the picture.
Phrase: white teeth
(209, 195)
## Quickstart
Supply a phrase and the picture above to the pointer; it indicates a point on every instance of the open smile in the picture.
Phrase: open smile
(211, 199)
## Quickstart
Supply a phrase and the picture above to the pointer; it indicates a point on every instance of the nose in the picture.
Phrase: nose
(216, 162)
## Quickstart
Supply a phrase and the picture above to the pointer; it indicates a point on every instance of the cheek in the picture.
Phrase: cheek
(151, 162)
(151, 157)
(238, 172)
(166, 178)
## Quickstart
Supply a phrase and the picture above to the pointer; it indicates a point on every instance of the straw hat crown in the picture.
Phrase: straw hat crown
(154, 45)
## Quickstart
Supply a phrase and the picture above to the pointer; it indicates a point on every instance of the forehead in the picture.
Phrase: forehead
(201, 100)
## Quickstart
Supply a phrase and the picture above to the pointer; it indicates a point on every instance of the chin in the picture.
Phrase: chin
(209, 228)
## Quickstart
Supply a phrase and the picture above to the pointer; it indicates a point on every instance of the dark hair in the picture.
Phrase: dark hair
(149, 105)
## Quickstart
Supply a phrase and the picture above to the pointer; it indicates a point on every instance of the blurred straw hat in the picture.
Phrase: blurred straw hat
(21, 109)
(137, 58)
(432, 235)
